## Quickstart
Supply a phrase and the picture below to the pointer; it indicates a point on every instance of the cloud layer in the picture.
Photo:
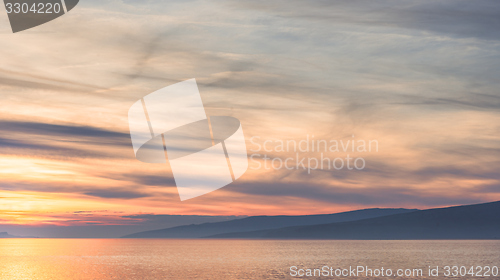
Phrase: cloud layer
(419, 77)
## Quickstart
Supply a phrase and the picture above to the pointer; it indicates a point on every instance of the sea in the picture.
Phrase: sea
(247, 259)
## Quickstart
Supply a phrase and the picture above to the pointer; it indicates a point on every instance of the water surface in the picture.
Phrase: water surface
(229, 259)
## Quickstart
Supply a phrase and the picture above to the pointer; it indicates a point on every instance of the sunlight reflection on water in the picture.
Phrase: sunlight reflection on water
(226, 259)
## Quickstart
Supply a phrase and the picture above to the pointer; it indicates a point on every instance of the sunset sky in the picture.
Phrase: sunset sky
(420, 78)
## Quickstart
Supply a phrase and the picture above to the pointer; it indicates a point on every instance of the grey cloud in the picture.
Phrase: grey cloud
(28, 80)
(61, 130)
(54, 140)
(52, 137)
(104, 192)
(369, 196)
(8, 143)
(477, 19)
(468, 100)
(141, 179)
(491, 189)
(151, 180)
(125, 192)
(20, 83)
(26, 147)
(113, 193)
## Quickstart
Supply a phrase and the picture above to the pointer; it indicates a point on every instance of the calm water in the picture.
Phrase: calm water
(229, 259)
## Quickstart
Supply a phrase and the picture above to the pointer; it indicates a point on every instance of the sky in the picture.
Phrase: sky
(418, 77)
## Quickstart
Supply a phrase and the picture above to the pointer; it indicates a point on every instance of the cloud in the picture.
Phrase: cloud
(420, 77)
(39, 82)
(112, 193)
(453, 18)
(490, 189)
(46, 129)
(61, 139)
(375, 195)
(150, 180)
